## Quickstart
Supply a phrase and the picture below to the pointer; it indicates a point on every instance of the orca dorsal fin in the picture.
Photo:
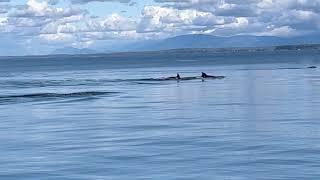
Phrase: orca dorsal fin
(203, 74)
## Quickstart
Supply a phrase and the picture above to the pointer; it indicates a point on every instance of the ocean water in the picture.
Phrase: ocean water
(103, 118)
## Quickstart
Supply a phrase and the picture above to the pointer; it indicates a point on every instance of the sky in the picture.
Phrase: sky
(41, 26)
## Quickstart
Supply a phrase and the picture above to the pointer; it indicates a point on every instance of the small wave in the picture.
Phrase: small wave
(46, 96)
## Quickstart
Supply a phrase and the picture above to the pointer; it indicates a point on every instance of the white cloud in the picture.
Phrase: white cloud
(167, 19)
(283, 31)
(300, 15)
(58, 37)
(114, 22)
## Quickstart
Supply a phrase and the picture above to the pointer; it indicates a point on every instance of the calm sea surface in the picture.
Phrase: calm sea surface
(103, 118)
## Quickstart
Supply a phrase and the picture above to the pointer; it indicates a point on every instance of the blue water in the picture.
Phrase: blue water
(103, 120)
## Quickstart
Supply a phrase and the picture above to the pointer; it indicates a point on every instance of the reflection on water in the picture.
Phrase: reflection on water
(260, 122)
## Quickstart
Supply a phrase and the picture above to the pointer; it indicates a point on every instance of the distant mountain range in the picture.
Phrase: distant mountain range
(208, 41)
(201, 41)
(71, 50)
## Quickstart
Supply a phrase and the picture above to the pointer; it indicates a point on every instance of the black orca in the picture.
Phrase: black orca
(173, 77)
(312, 67)
(204, 76)
(178, 76)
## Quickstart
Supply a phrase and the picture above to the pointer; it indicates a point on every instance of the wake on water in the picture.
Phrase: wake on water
(46, 96)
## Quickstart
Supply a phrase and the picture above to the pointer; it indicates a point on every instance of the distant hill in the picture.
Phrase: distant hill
(210, 51)
(189, 52)
(197, 41)
(71, 50)
(209, 41)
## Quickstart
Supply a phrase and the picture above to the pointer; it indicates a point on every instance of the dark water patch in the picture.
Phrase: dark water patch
(34, 83)
(51, 83)
(50, 96)
(25, 83)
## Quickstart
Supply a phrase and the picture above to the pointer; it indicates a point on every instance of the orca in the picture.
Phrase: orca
(205, 76)
(178, 76)
(173, 77)
(312, 67)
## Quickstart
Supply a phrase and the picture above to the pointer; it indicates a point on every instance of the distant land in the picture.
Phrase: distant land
(186, 52)
(208, 41)
(206, 51)
(196, 41)
(215, 50)
(72, 50)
